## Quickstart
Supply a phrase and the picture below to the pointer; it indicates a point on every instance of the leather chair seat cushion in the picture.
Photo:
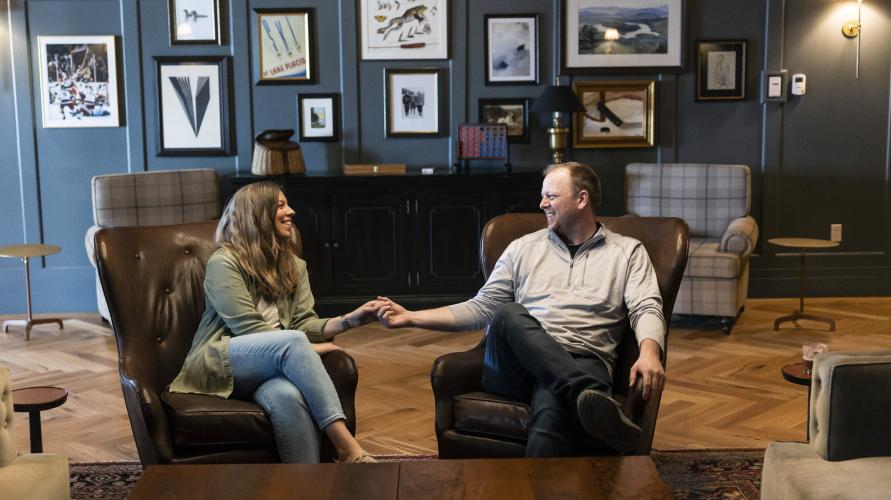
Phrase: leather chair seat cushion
(199, 420)
(492, 415)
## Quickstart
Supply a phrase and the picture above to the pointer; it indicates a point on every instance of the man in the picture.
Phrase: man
(556, 305)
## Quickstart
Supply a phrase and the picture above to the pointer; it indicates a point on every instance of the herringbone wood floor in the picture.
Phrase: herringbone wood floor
(722, 391)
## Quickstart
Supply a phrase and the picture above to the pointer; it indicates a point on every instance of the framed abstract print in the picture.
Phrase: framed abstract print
(511, 43)
(618, 114)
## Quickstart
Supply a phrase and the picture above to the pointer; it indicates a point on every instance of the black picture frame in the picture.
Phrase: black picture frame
(391, 114)
(486, 115)
(490, 56)
(173, 9)
(174, 102)
(673, 62)
(286, 36)
(716, 78)
(334, 117)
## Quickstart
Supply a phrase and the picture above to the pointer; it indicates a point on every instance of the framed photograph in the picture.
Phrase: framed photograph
(622, 34)
(194, 22)
(285, 43)
(413, 102)
(514, 113)
(418, 29)
(511, 43)
(618, 114)
(319, 117)
(78, 81)
(193, 106)
(721, 70)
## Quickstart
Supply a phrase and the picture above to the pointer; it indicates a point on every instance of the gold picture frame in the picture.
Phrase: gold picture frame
(285, 46)
(619, 114)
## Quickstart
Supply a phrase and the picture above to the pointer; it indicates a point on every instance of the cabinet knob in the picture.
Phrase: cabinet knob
(335, 244)
(326, 244)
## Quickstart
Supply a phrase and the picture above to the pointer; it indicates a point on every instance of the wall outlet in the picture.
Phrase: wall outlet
(835, 232)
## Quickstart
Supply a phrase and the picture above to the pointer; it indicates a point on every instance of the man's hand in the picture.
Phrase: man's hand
(324, 348)
(649, 367)
(391, 314)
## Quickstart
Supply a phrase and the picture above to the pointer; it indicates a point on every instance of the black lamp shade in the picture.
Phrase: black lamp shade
(558, 98)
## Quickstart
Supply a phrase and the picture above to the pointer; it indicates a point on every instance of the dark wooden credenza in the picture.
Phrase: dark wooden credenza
(414, 238)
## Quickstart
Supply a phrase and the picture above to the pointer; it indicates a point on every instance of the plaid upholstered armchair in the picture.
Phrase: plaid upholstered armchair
(715, 201)
(150, 199)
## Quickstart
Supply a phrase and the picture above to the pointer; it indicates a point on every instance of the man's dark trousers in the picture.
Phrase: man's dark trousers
(524, 362)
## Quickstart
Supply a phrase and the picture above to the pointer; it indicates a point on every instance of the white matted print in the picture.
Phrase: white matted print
(412, 102)
(78, 81)
(408, 29)
(192, 114)
(193, 21)
(512, 49)
(285, 45)
(318, 117)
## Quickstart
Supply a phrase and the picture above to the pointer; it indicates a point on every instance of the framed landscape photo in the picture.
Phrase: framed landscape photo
(285, 46)
(194, 22)
(600, 35)
(721, 70)
(78, 81)
(319, 117)
(193, 106)
(512, 50)
(416, 29)
(413, 102)
(514, 113)
(618, 114)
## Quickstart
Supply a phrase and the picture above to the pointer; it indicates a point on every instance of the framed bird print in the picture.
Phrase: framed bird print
(285, 43)
(394, 29)
(194, 22)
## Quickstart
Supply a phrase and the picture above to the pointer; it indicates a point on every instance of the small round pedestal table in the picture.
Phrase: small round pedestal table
(25, 252)
(801, 244)
(34, 400)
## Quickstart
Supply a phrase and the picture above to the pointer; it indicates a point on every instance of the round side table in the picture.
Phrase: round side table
(34, 400)
(795, 373)
(801, 244)
(26, 252)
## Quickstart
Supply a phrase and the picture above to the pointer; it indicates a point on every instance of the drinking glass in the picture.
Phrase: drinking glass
(809, 351)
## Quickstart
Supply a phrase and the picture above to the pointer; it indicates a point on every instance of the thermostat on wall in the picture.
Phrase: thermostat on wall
(798, 83)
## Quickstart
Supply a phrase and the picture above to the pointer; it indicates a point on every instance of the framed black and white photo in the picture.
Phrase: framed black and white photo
(319, 117)
(511, 43)
(600, 35)
(78, 81)
(285, 44)
(194, 22)
(193, 106)
(514, 113)
(721, 70)
(417, 29)
(413, 102)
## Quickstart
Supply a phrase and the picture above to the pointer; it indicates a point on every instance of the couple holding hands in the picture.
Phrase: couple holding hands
(555, 306)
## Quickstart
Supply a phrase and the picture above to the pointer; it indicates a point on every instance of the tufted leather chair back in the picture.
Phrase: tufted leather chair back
(7, 438)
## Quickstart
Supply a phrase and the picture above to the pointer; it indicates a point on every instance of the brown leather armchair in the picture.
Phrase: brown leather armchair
(473, 424)
(153, 279)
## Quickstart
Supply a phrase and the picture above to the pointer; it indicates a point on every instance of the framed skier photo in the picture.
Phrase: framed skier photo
(78, 81)
(285, 44)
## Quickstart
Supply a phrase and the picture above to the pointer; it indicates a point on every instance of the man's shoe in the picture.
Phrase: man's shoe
(602, 418)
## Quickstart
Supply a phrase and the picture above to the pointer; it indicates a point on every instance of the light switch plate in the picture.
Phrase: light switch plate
(773, 86)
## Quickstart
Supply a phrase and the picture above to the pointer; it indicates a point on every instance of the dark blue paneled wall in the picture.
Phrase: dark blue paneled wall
(816, 160)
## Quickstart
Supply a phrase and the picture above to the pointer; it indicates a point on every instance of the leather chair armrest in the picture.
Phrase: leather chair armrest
(90, 243)
(850, 403)
(740, 236)
(148, 419)
(454, 374)
(342, 369)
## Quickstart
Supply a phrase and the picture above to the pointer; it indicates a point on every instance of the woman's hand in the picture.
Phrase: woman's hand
(363, 314)
(324, 348)
(391, 314)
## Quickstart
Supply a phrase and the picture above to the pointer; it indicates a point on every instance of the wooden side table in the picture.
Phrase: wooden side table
(25, 252)
(34, 400)
(795, 373)
(801, 244)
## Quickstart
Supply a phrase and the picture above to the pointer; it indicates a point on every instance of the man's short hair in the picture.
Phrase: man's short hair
(583, 177)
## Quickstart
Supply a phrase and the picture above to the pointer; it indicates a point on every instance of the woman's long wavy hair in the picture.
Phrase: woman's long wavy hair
(247, 229)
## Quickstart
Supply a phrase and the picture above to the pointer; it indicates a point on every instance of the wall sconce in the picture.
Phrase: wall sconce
(851, 29)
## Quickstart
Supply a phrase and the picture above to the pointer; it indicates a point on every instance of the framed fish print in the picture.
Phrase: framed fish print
(78, 81)
(194, 22)
(319, 117)
(511, 43)
(721, 70)
(621, 35)
(193, 106)
(618, 114)
(394, 29)
(285, 44)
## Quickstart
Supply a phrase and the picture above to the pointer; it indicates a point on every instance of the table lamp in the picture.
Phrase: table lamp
(558, 99)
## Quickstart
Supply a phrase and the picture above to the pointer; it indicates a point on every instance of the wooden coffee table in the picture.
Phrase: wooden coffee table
(511, 479)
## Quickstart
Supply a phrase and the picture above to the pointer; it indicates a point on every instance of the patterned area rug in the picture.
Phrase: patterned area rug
(693, 474)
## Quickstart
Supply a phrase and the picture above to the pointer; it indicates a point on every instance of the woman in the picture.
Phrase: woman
(259, 337)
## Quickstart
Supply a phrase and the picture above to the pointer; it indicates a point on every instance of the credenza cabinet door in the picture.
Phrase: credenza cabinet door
(447, 229)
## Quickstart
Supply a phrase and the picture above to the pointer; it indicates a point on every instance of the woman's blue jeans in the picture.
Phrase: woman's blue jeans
(284, 375)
